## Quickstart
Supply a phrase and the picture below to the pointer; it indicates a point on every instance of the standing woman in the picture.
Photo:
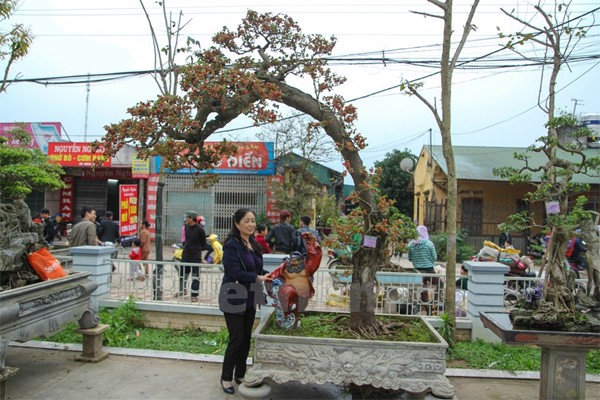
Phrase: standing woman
(241, 290)
(145, 245)
(421, 252)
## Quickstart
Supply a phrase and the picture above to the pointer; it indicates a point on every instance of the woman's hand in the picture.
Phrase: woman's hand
(263, 278)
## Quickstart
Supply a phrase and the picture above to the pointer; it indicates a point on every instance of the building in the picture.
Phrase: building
(484, 200)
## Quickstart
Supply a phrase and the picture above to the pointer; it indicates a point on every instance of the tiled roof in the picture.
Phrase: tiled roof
(478, 162)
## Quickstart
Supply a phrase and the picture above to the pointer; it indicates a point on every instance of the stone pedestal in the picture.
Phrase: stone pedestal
(6, 373)
(562, 372)
(96, 261)
(486, 294)
(92, 344)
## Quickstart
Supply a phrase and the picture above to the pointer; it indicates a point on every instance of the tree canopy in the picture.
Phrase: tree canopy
(395, 182)
(23, 169)
(245, 72)
(14, 41)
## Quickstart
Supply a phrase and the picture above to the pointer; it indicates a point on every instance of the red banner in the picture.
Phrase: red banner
(151, 193)
(128, 210)
(66, 198)
(272, 211)
(76, 154)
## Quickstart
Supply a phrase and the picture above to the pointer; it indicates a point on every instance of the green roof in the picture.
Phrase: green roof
(323, 174)
(477, 162)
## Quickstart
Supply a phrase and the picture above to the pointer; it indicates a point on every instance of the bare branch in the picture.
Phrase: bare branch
(466, 30)
(428, 14)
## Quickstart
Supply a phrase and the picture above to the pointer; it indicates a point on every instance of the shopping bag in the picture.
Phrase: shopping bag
(45, 264)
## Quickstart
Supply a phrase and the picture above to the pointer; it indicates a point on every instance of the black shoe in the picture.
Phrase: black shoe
(229, 390)
(238, 380)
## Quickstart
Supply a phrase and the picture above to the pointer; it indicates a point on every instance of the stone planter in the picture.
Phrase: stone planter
(45, 308)
(417, 368)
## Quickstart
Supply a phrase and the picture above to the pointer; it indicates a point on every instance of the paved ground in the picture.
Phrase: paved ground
(135, 374)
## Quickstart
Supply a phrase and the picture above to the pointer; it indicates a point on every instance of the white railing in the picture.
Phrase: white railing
(397, 293)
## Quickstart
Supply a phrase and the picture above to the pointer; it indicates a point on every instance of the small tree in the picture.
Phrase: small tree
(558, 33)
(394, 181)
(297, 135)
(14, 42)
(444, 123)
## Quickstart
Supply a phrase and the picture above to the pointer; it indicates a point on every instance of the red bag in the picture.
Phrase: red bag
(45, 264)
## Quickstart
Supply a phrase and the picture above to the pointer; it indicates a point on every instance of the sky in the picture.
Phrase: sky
(494, 101)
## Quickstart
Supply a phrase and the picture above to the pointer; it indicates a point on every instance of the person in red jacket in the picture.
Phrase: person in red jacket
(261, 232)
(135, 267)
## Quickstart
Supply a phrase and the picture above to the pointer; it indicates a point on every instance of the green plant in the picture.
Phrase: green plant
(124, 322)
(464, 250)
(446, 330)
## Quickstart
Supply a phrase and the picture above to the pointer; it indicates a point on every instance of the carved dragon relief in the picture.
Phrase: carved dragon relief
(412, 370)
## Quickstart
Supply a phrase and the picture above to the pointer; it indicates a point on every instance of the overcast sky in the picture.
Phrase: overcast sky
(494, 105)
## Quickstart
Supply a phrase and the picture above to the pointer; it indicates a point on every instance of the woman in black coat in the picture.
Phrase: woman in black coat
(241, 291)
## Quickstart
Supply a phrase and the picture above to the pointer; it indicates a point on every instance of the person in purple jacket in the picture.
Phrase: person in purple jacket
(241, 291)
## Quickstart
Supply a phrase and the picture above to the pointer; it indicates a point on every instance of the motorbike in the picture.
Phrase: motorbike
(178, 252)
(339, 258)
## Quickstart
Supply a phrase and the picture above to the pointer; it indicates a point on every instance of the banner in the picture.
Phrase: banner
(41, 133)
(272, 211)
(128, 211)
(252, 158)
(76, 154)
(66, 198)
(151, 193)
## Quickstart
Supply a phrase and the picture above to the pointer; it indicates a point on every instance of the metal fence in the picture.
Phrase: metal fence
(396, 293)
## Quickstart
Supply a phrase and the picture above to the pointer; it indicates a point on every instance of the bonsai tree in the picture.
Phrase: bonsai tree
(246, 72)
(23, 169)
(558, 34)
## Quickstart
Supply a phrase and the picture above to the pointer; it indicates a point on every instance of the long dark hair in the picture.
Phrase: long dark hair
(234, 233)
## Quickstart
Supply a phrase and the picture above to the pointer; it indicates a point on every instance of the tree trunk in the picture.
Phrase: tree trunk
(366, 261)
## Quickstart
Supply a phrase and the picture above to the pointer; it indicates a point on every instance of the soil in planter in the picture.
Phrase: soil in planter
(324, 325)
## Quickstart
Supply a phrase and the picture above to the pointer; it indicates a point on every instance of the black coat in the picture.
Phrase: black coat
(239, 286)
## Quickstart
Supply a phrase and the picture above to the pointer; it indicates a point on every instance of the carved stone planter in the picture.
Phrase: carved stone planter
(45, 308)
(417, 368)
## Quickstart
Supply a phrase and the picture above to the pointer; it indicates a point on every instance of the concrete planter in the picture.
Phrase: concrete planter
(417, 368)
(45, 308)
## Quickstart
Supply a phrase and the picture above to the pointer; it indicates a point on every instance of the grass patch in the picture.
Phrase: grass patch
(127, 331)
(193, 341)
(323, 325)
(499, 356)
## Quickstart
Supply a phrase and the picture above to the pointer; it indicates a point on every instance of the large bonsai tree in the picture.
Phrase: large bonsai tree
(557, 33)
(246, 72)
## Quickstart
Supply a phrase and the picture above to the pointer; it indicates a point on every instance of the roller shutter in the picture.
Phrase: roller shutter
(89, 193)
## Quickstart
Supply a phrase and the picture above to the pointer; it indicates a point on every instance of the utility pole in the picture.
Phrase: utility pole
(87, 107)
(575, 102)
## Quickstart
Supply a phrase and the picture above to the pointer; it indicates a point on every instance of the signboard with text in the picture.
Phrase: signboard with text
(251, 158)
(41, 133)
(140, 168)
(76, 154)
(66, 198)
(128, 210)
